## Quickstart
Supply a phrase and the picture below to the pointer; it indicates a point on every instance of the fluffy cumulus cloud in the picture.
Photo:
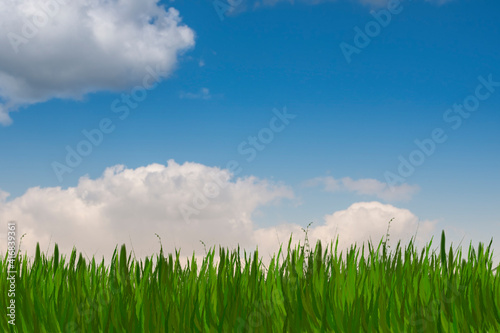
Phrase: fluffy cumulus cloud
(369, 220)
(186, 203)
(66, 49)
(359, 223)
(182, 203)
(367, 187)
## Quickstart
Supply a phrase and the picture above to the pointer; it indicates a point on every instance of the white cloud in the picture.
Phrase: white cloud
(370, 187)
(361, 222)
(330, 184)
(365, 220)
(131, 205)
(134, 204)
(204, 93)
(70, 48)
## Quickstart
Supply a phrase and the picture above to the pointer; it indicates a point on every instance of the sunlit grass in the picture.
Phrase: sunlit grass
(310, 290)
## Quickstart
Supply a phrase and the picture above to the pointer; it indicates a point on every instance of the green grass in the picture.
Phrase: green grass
(308, 290)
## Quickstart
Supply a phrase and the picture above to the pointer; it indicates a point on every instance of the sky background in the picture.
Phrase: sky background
(224, 74)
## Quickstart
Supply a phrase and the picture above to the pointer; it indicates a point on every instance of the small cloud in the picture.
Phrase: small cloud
(370, 187)
(201, 63)
(330, 184)
(204, 93)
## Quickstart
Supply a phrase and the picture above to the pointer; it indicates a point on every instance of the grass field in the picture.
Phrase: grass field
(309, 290)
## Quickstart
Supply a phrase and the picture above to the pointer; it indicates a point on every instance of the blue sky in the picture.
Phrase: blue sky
(221, 85)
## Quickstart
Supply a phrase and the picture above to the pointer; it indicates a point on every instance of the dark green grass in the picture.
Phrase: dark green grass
(309, 290)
